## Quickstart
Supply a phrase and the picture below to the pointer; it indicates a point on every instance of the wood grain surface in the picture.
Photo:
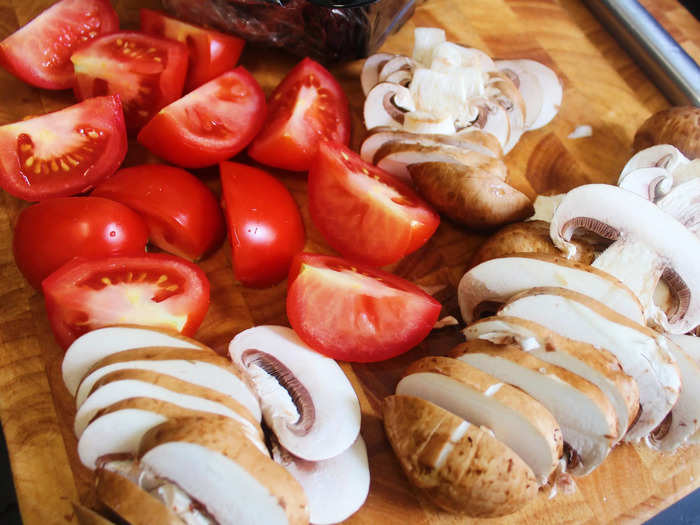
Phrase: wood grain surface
(603, 88)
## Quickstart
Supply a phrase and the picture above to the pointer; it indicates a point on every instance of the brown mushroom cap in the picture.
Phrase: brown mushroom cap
(679, 126)
(471, 195)
(458, 466)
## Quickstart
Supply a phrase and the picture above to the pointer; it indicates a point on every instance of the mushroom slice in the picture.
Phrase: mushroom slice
(529, 86)
(596, 365)
(335, 488)
(426, 39)
(396, 157)
(471, 195)
(124, 384)
(586, 416)
(370, 70)
(683, 204)
(130, 502)
(447, 94)
(662, 156)
(497, 280)
(637, 347)
(649, 183)
(490, 117)
(422, 122)
(651, 244)
(516, 419)
(210, 460)
(118, 428)
(458, 466)
(549, 82)
(503, 91)
(683, 422)
(194, 366)
(93, 346)
(396, 64)
(386, 104)
(306, 398)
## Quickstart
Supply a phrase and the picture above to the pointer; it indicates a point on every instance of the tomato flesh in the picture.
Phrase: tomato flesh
(308, 106)
(363, 212)
(182, 214)
(211, 52)
(156, 290)
(356, 313)
(265, 226)
(147, 72)
(52, 232)
(211, 124)
(63, 153)
(39, 52)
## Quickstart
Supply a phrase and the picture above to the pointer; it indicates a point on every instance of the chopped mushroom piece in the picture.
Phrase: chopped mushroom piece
(370, 70)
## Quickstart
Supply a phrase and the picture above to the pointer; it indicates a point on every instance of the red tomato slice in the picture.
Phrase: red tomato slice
(365, 213)
(183, 215)
(211, 53)
(210, 124)
(146, 71)
(51, 233)
(264, 223)
(356, 313)
(307, 106)
(63, 153)
(151, 290)
(39, 52)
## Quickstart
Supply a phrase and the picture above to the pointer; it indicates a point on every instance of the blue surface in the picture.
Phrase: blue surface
(685, 512)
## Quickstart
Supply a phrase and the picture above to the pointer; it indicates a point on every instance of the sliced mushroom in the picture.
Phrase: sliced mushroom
(422, 122)
(581, 318)
(596, 365)
(529, 86)
(683, 204)
(370, 70)
(651, 244)
(589, 430)
(526, 237)
(130, 502)
(118, 428)
(649, 183)
(90, 348)
(497, 280)
(425, 41)
(520, 422)
(394, 65)
(306, 398)
(503, 91)
(662, 156)
(470, 195)
(458, 466)
(386, 105)
(490, 117)
(210, 461)
(448, 56)
(335, 488)
(396, 157)
(447, 94)
(676, 125)
(194, 366)
(124, 384)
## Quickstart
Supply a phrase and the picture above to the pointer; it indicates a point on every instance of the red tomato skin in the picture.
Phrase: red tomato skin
(17, 55)
(62, 292)
(157, 83)
(265, 226)
(104, 113)
(52, 232)
(353, 222)
(211, 52)
(183, 215)
(168, 134)
(341, 336)
(294, 149)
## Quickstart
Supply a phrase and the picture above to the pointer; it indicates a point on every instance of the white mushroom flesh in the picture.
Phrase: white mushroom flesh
(426, 39)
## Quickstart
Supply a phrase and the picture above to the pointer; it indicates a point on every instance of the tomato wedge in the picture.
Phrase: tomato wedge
(39, 52)
(211, 53)
(354, 312)
(365, 213)
(63, 153)
(146, 71)
(183, 215)
(210, 124)
(307, 106)
(151, 290)
(265, 226)
(51, 233)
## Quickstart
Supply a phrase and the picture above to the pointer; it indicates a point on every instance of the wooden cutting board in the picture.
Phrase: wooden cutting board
(603, 88)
